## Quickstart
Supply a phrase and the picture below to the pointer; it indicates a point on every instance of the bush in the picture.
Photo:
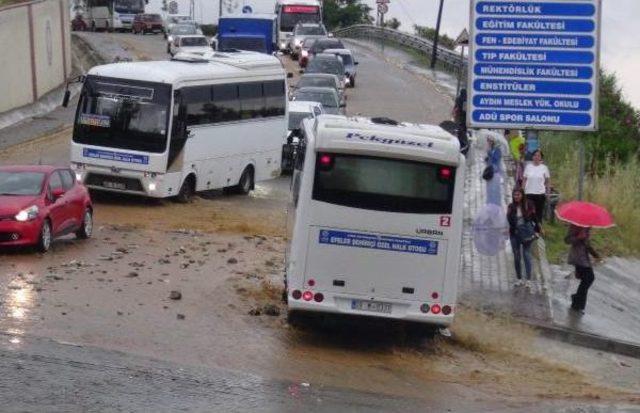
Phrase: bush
(430, 34)
(209, 29)
(345, 13)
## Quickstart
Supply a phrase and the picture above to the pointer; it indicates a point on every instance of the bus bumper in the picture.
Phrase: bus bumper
(151, 185)
(347, 305)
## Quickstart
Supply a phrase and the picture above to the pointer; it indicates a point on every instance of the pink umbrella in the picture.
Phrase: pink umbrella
(585, 214)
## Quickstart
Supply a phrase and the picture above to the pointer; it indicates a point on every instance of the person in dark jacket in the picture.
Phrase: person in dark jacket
(460, 117)
(523, 227)
(579, 257)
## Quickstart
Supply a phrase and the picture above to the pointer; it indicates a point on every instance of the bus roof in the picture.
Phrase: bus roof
(377, 138)
(192, 68)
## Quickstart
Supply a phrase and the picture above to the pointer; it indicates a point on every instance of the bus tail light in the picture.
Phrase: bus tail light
(446, 310)
(296, 294)
(326, 161)
(307, 296)
(435, 295)
(318, 297)
(424, 308)
(435, 309)
(311, 282)
(445, 173)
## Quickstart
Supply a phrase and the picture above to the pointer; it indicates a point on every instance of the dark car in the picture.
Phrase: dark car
(147, 23)
(321, 45)
(39, 203)
(78, 24)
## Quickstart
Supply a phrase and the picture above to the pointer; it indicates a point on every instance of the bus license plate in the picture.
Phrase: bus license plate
(372, 306)
(114, 185)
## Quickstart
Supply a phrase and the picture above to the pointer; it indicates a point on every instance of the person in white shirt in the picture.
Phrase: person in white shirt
(536, 181)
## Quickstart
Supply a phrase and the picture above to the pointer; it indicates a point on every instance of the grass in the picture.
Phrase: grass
(4, 3)
(617, 188)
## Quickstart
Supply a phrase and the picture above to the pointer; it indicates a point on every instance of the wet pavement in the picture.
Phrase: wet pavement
(186, 298)
(612, 308)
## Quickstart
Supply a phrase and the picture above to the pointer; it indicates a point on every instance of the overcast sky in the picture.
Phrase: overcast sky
(620, 29)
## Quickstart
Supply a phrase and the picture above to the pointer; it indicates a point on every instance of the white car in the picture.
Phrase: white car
(299, 110)
(194, 44)
(180, 30)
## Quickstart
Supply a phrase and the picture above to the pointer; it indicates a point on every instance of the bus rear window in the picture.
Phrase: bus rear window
(383, 184)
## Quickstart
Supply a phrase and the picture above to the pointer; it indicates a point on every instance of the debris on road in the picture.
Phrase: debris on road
(175, 295)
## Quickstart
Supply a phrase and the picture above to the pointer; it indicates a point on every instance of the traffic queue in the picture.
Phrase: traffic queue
(369, 197)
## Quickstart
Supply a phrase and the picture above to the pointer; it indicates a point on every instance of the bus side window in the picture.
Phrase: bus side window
(198, 102)
(226, 103)
(252, 103)
(275, 98)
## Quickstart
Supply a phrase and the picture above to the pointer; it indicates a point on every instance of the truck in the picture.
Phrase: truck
(253, 32)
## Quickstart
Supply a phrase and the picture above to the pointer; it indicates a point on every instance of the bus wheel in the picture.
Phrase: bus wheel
(187, 190)
(246, 182)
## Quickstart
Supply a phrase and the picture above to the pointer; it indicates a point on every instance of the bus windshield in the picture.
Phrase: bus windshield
(117, 113)
(383, 184)
(129, 6)
(292, 15)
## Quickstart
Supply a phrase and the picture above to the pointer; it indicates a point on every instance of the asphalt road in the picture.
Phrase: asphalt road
(90, 327)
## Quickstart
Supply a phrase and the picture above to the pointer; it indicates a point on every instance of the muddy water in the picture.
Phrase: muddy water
(113, 291)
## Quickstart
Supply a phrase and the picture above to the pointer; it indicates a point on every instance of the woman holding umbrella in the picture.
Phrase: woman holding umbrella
(582, 216)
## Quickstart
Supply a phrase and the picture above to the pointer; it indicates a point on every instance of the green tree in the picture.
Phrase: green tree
(430, 34)
(344, 13)
(392, 23)
(619, 134)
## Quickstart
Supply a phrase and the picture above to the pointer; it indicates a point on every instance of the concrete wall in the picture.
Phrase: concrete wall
(35, 52)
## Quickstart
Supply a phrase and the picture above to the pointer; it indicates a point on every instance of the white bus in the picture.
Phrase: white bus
(173, 128)
(111, 14)
(292, 12)
(375, 220)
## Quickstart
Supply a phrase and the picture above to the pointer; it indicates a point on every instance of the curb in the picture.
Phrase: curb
(588, 340)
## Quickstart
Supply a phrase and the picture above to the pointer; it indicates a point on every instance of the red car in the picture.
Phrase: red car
(143, 23)
(39, 203)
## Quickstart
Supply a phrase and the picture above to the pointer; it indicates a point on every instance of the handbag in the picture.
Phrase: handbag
(526, 233)
(488, 172)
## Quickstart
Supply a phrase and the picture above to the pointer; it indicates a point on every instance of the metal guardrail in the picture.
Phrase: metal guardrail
(449, 59)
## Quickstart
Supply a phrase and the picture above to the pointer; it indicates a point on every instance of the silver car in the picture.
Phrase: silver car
(321, 80)
(325, 95)
(349, 62)
(301, 32)
(327, 63)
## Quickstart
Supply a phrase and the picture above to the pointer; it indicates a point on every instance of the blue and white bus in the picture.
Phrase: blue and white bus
(375, 220)
(173, 128)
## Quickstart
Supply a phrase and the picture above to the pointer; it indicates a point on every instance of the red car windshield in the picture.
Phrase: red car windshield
(21, 183)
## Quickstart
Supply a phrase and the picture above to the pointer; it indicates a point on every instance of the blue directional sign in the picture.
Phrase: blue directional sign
(534, 64)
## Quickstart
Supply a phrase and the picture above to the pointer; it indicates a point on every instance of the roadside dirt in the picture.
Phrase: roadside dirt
(115, 292)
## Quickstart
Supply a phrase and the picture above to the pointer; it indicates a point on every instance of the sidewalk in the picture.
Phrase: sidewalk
(487, 282)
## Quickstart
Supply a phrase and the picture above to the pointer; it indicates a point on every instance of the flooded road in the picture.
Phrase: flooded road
(177, 307)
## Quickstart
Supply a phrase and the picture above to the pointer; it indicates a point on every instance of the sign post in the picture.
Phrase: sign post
(534, 64)
(462, 41)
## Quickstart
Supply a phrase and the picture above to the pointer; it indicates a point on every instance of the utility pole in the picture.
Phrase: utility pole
(219, 10)
(434, 55)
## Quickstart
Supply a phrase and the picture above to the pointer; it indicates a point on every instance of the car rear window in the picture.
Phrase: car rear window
(383, 184)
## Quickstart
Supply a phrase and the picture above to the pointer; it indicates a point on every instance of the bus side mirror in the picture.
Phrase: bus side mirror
(356, 63)
(65, 99)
